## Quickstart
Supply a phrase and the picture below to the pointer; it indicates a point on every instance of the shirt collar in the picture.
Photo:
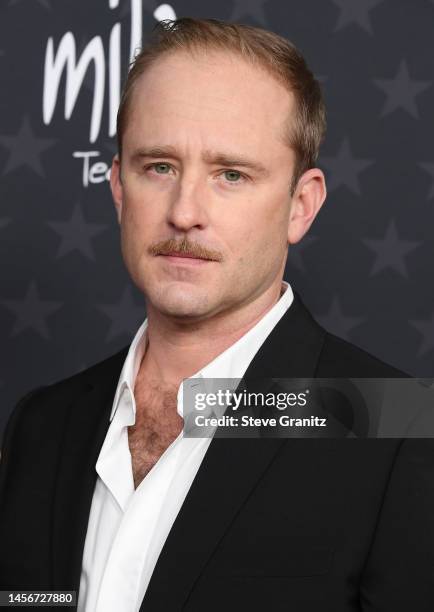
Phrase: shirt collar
(231, 363)
(131, 366)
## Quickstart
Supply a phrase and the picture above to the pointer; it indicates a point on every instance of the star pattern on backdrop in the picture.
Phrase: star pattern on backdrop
(426, 328)
(344, 168)
(53, 228)
(31, 312)
(249, 8)
(390, 251)
(125, 315)
(401, 91)
(429, 167)
(355, 12)
(76, 234)
(25, 149)
(336, 321)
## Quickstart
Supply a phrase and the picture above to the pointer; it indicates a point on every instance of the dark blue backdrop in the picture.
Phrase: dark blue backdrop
(365, 269)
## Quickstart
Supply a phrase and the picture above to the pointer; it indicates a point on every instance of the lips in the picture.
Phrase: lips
(174, 254)
(184, 259)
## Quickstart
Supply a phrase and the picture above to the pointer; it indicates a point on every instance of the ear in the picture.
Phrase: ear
(116, 185)
(306, 202)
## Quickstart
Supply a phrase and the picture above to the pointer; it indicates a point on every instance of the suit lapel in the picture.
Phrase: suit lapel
(229, 471)
(85, 430)
(231, 468)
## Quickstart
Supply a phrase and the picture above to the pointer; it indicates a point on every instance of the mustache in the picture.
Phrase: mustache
(194, 249)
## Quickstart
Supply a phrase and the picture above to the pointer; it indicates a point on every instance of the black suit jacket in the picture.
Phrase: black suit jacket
(335, 525)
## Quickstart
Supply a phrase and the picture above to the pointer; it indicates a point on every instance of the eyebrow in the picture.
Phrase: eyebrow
(210, 157)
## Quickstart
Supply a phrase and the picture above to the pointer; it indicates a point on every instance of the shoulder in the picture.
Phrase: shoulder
(67, 387)
(342, 358)
(333, 356)
(50, 403)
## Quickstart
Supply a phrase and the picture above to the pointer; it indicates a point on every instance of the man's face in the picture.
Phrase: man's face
(192, 121)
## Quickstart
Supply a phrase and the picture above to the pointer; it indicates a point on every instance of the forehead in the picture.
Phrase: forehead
(212, 98)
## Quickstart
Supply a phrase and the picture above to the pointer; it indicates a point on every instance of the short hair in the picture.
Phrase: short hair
(274, 53)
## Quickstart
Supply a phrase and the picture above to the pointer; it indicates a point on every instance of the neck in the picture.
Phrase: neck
(176, 350)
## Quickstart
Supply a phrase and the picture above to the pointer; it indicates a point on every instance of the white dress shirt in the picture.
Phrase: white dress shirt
(128, 527)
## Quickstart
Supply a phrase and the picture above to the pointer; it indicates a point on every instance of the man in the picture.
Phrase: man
(218, 130)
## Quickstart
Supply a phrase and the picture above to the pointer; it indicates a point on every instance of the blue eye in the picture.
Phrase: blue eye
(232, 176)
(159, 165)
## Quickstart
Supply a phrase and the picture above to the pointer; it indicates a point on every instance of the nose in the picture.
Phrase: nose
(188, 205)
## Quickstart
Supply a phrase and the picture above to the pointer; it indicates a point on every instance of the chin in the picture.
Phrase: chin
(181, 302)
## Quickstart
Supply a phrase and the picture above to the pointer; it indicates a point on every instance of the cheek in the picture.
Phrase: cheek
(259, 231)
(139, 217)
(134, 235)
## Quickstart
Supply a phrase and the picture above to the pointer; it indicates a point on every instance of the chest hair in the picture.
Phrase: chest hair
(156, 427)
